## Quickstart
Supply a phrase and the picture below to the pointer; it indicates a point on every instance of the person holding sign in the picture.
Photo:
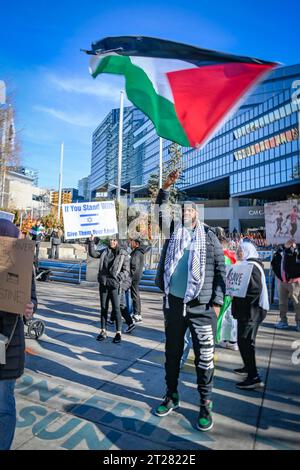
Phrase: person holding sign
(12, 353)
(250, 311)
(114, 279)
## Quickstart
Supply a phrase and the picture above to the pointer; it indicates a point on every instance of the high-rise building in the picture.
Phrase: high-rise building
(104, 162)
(84, 188)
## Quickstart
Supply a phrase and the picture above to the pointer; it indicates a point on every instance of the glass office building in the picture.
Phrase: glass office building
(253, 158)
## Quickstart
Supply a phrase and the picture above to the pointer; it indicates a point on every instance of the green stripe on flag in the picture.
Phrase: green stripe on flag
(141, 92)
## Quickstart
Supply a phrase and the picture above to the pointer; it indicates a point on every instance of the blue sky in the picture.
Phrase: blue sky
(55, 97)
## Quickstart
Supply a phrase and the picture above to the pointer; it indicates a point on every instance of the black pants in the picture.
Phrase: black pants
(114, 296)
(246, 341)
(136, 298)
(37, 249)
(202, 322)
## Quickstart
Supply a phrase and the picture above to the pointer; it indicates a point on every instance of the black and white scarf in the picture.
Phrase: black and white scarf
(180, 240)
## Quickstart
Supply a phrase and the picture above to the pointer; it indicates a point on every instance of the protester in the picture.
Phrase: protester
(191, 273)
(227, 325)
(12, 327)
(250, 311)
(286, 266)
(113, 278)
(56, 239)
(136, 272)
(37, 232)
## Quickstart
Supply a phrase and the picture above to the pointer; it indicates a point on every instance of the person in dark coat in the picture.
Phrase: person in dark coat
(191, 273)
(286, 266)
(56, 239)
(12, 327)
(114, 279)
(136, 272)
(250, 311)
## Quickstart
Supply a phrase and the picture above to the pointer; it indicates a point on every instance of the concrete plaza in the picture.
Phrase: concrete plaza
(77, 393)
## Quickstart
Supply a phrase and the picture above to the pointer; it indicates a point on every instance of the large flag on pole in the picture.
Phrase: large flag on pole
(187, 92)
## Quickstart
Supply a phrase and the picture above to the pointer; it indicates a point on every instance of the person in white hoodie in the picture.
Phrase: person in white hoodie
(250, 311)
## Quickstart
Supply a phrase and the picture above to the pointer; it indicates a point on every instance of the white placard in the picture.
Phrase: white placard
(89, 218)
(282, 220)
(7, 215)
(237, 279)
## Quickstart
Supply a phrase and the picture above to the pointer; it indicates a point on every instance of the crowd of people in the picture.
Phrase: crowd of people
(38, 233)
(192, 276)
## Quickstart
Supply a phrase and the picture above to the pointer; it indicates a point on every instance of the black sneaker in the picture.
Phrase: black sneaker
(170, 403)
(110, 322)
(251, 384)
(117, 338)
(101, 336)
(241, 371)
(205, 421)
(130, 328)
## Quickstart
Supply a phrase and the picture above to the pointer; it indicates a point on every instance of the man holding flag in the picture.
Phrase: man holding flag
(191, 273)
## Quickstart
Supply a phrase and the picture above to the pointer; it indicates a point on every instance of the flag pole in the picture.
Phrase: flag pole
(120, 146)
(60, 180)
(160, 162)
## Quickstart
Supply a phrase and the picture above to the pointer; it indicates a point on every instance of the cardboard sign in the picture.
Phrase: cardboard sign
(16, 260)
(81, 220)
(237, 279)
(7, 215)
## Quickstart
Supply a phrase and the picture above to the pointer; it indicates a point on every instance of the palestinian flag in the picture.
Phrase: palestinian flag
(230, 259)
(187, 92)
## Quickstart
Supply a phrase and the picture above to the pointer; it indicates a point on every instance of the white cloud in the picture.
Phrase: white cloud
(103, 88)
(76, 119)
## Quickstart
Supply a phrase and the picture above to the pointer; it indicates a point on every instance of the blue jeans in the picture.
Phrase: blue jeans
(7, 413)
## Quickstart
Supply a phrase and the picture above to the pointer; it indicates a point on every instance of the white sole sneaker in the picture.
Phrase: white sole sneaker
(206, 429)
(167, 412)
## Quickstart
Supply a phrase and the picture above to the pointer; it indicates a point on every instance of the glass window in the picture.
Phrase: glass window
(282, 112)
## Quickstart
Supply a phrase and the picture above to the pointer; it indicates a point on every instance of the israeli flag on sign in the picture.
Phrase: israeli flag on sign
(87, 220)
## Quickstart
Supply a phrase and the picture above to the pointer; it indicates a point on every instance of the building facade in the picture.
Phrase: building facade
(84, 188)
(252, 159)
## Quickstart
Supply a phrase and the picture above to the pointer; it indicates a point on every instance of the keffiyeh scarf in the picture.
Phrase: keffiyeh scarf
(181, 240)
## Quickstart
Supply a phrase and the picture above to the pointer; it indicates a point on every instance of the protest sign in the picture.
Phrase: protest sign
(7, 215)
(237, 279)
(282, 221)
(16, 260)
(81, 220)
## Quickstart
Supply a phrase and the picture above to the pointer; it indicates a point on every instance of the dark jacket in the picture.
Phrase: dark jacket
(291, 263)
(137, 263)
(213, 289)
(15, 354)
(247, 309)
(114, 267)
